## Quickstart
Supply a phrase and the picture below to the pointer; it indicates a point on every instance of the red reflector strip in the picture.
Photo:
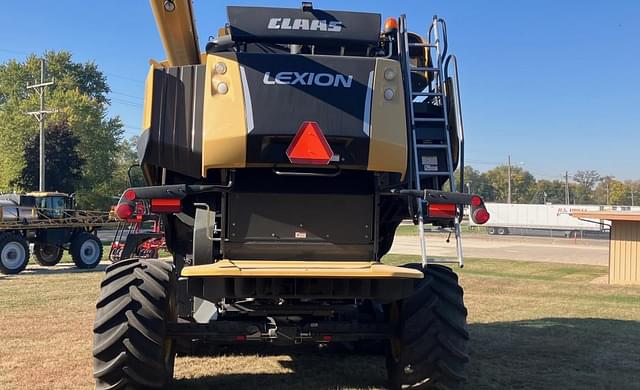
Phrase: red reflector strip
(442, 210)
(165, 206)
(240, 338)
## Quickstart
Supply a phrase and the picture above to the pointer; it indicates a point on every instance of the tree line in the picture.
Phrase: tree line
(86, 153)
(583, 187)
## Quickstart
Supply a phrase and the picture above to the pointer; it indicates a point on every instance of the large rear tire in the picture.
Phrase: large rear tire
(47, 255)
(130, 346)
(429, 347)
(14, 253)
(86, 250)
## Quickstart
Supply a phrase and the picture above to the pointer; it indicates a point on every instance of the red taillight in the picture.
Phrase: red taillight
(165, 206)
(327, 338)
(476, 201)
(129, 195)
(309, 146)
(481, 216)
(124, 210)
(240, 338)
(442, 210)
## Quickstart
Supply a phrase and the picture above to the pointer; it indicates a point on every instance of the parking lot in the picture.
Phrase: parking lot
(553, 250)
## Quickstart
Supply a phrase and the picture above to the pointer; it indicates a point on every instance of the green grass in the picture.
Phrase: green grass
(533, 326)
(411, 230)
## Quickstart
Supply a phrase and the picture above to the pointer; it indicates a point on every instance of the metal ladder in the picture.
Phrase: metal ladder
(436, 88)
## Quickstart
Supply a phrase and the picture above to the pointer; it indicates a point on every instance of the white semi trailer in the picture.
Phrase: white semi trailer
(527, 218)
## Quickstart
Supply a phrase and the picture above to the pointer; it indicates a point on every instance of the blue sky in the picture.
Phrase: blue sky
(553, 83)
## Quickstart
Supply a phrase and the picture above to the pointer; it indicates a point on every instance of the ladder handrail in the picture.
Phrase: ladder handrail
(415, 180)
(433, 31)
(437, 40)
(453, 60)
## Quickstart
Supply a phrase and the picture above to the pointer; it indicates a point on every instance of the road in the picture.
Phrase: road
(560, 250)
(556, 250)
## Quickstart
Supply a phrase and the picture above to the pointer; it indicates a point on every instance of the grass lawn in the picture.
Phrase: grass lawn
(533, 326)
(411, 230)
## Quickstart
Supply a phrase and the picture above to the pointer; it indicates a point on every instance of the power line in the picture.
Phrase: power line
(135, 80)
(126, 95)
(126, 102)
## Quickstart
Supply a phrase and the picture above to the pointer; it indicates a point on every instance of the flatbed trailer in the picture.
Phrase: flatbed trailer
(51, 231)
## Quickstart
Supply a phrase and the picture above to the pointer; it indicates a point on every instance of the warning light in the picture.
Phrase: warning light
(481, 216)
(390, 25)
(309, 146)
(129, 195)
(124, 210)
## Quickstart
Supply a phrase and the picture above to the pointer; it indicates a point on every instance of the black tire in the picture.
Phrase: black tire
(86, 250)
(14, 253)
(130, 347)
(429, 347)
(47, 255)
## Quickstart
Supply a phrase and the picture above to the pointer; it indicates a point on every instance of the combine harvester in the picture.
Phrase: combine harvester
(51, 223)
(282, 161)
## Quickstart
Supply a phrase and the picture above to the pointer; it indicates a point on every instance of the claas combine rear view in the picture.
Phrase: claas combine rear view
(282, 160)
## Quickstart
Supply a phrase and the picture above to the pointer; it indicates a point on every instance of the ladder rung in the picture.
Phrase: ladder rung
(432, 146)
(427, 94)
(428, 119)
(425, 69)
(444, 230)
(422, 45)
(442, 261)
(433, 173)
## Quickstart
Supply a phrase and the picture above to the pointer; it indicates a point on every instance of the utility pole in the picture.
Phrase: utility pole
(632, 192)
(566, 187)
(509, 179)
(40, 115)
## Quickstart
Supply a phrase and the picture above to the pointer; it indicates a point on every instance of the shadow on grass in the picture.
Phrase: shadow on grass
(59, 269)
(307, 368)
(550, 353)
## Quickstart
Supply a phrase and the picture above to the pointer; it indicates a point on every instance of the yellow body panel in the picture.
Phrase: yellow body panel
(224, 127)
(388, 132)
(148, 99)
(177, 32)
(301, 269)
(38, 194)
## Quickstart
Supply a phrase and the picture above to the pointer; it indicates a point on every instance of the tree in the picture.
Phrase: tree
(586, 181)
(611, 192)
(80, 99)
(63, 168)
(632, 192)
(522, 184)
(549, 191)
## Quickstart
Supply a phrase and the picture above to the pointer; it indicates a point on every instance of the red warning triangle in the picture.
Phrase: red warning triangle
(309, 146)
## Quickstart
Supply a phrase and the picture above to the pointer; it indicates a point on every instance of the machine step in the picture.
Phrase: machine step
(428, 119)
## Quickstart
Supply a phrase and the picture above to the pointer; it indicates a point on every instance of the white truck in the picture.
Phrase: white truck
(531, 218)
